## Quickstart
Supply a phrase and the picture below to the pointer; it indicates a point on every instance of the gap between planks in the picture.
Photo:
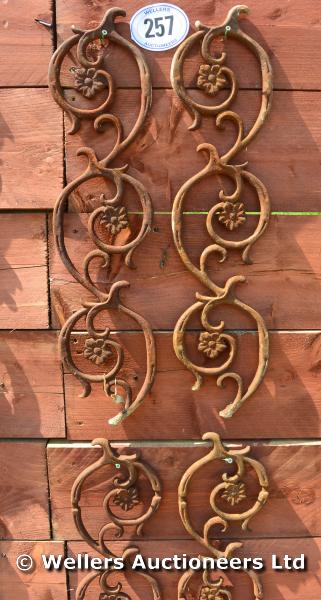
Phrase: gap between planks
(151, 541)
(66, 444)
(49, 211)
(42, 86)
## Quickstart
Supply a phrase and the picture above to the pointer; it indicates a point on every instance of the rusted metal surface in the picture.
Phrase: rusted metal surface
(118, 502)
(214, 589)
(230, 211)
(90, 80)
(124, 495)
(100, 348)
(231, 492)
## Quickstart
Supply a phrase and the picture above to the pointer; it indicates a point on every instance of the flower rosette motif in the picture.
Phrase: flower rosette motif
(234, 493)
(87, 81)
(126, 499)
(232, 215)
(212, 344)
(114, 595)
(214, 592)
(211, 79)
(97, 350)
(114, 219)
(230, 211)
(216, 344)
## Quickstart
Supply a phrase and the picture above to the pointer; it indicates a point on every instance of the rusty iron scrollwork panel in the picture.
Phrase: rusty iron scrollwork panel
(119, 501)
(230, 210)
(90, 80)
(231, 491)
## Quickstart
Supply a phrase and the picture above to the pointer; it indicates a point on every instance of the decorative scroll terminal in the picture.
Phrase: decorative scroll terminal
(109, 220)
(229, 212)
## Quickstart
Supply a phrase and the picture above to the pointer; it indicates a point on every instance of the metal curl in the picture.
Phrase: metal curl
(232, 489)
(120, 179)
(230, 210)
(107, 25)
(90, 79)
(115, 592)
(218, 588)
(125, 495)
(99, 344)
(204, 37)
(81, 40)
(232, 486)
(213, 342)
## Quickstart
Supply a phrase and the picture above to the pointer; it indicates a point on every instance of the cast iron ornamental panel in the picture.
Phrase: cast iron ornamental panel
(90, 79)
(123, 497)
(232, 491)
(230, 211)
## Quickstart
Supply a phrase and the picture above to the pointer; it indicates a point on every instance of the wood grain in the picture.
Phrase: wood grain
(285, 265)
(31, 392)
(31, 150)
(288, 400)
(278, 585)
(23, 264)
(293, 508)
(23, 491)
(25, 46)
(289, 32)
(39, 583)
(285, 155)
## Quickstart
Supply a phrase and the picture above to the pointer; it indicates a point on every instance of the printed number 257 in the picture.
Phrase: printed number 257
(157, 27)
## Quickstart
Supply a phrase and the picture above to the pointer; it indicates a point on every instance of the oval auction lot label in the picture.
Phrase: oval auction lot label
(159, 27)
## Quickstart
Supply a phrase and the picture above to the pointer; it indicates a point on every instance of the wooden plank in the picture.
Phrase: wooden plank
(39, 583)
(31, 149)
(289, 32)
(291, 389)
(293, 508)
(277, 585)
(285, 155)
(31, 394)
(23, 491)
(25, 46)
(285, 265)
(23, 264)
